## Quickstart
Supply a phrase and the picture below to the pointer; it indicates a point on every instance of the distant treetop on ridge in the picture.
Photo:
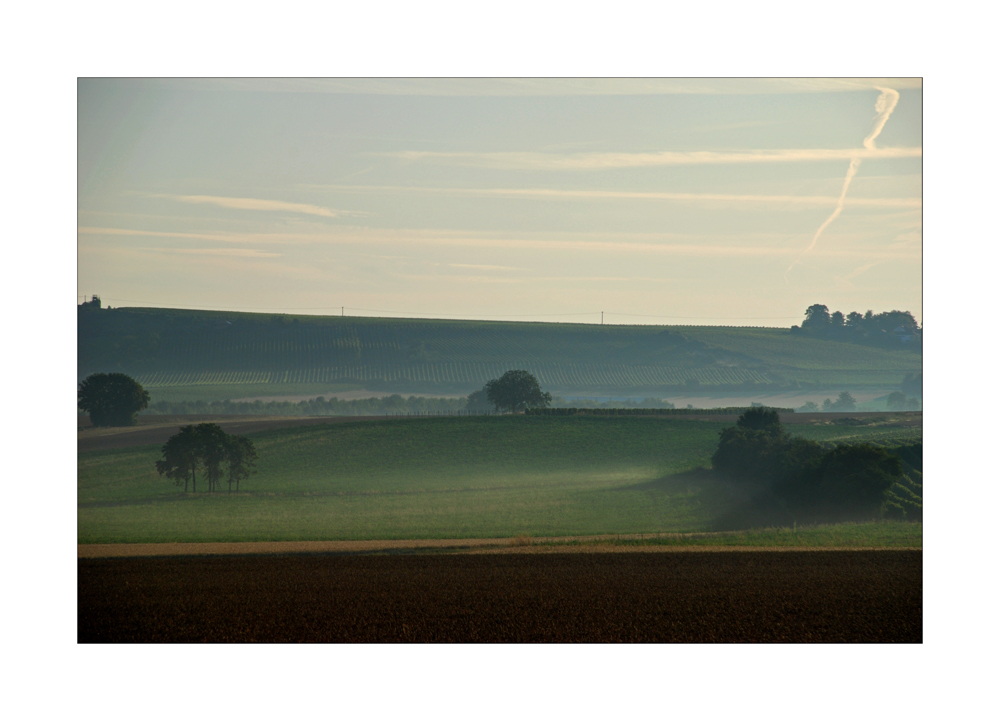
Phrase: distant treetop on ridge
(891, 329)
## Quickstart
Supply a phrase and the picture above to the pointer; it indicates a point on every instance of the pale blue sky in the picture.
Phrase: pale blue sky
(672, 201)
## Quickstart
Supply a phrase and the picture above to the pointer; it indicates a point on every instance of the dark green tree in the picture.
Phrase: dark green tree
(111, 399)
(817, 318)
(845, 403)
(752, 450)
(242, 457)
(181, 457)
(212, 451)
(760, 418)
(515, 391)
(896, 401)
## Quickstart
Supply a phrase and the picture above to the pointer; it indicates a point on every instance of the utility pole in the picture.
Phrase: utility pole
(602, 317)
(341, 311)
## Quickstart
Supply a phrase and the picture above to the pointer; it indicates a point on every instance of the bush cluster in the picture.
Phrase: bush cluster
(800, 480)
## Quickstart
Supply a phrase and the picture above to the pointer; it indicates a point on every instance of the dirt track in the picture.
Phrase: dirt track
(560, 544)
(755, 597)
(155, 430)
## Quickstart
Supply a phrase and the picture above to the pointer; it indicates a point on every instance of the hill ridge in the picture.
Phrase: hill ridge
(169, 347)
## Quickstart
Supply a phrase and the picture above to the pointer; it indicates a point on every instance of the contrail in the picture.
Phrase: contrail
(884, 106)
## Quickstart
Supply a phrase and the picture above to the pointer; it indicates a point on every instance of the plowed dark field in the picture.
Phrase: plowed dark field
(791, 597)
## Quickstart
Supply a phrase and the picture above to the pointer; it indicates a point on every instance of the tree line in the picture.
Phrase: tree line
(892, 329)
(207, 447)
(797, 480)
(319, 406)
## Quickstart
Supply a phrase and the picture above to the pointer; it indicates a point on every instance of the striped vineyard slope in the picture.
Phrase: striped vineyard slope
(165, 348)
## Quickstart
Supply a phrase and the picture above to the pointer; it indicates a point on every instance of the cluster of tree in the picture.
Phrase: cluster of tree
(111, 399)
(513, 392)
(899, 401)
(913, 383)
(797, 480)
(206, 446)
(892, 329)
(845, 403)
(319, 406)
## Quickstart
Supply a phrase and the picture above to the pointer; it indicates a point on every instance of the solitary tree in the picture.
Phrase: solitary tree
(760, 419)
(242, 457)
(181, 457)
(516, 390)
(111, 399)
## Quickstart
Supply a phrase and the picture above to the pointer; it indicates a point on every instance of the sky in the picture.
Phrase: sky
(694, 201)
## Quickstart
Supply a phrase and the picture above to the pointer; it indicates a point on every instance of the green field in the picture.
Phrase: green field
(448, 477)
(242, 354)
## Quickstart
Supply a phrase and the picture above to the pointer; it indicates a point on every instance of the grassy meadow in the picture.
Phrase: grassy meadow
(448, 477)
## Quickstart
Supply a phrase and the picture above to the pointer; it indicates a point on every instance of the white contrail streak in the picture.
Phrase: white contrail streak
(884, 106)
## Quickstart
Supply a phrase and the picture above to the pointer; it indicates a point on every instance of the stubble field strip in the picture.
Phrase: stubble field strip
(448, 477)
(744, 597)
(835, 537)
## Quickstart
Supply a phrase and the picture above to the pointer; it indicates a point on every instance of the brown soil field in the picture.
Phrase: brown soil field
(722, 597)
(154, 429)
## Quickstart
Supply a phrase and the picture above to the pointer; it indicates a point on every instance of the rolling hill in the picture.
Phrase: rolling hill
(167, 348)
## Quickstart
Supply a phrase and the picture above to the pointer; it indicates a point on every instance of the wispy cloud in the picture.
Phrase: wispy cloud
(513, 87)
(603, 161)
(90, 230)
(471, 266)
(845, 280)
(227, 252)
(859, 270)
(562, 194)
(394, 240)
(258, 204)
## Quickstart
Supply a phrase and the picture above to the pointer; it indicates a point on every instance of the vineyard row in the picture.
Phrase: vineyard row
(568, 375)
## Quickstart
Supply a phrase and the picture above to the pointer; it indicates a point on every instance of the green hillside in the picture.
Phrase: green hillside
(165, 348)
(449, 477)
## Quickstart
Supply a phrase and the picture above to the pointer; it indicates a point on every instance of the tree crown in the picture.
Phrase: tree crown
(516, 390)
(111, 399)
